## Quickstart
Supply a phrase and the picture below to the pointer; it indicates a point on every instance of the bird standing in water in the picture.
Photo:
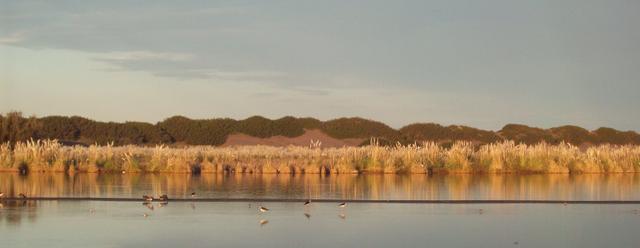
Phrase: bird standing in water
(147, 198)
(263, 209)
(307, 202)
(21, 195)
(193, 194)
(342, 205)
(163, 198)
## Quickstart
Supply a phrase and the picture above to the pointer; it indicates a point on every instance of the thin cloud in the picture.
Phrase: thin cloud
(13, 38)
(144, 55)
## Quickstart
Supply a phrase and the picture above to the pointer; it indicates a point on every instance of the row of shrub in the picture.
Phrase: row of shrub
(181, 130)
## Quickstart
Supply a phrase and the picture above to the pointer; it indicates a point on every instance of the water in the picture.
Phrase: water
(408, 187)
(240, 224)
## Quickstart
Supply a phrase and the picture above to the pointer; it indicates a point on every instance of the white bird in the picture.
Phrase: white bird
(263, 209)
(342, 205)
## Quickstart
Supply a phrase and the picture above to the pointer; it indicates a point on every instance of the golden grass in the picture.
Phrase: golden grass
(462, 157)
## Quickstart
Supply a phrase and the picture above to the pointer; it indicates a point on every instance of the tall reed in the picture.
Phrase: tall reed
(462, 157)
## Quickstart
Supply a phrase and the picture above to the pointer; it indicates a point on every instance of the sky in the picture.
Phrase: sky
(485, 64)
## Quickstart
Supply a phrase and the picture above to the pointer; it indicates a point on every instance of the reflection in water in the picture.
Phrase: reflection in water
(263, 222)
(15, 212)
(148, 205)
(548, 187)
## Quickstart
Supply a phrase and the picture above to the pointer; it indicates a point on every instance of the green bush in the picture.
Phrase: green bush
(181, 130)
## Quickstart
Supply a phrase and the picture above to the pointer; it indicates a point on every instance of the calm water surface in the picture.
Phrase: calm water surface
(239, 224)
(408, 187)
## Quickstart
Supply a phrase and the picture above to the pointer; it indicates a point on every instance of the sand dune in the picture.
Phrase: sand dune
(305, 139)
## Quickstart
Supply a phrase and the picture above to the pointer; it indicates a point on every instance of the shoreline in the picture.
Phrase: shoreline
(439, 173)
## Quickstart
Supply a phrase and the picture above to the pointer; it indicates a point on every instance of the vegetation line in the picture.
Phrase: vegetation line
(428, 157)
(180, 130)
(329, 200)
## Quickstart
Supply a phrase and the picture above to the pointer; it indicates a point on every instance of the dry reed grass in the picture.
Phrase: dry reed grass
(462, 157)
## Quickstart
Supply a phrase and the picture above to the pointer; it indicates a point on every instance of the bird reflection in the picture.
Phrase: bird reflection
(148, 205)
(263, 222)
(193, 207)
(342, 216)
(307, 215)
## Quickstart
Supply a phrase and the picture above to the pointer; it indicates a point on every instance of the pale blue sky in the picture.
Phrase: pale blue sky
(479, 63)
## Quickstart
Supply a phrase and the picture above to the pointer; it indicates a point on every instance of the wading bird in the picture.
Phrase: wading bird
(342, 205)
(307, 202)
(163, 198)
(263, 209)
(193, 194)
(21, 195)
(147, 198)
